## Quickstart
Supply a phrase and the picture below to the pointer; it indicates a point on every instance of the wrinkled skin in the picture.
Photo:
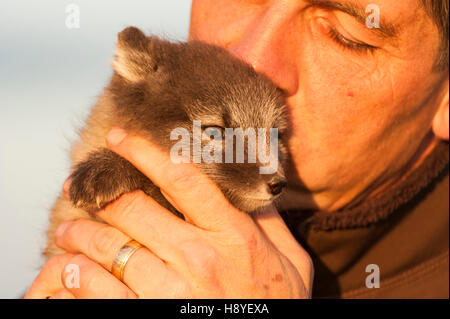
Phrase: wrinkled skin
(359, 119)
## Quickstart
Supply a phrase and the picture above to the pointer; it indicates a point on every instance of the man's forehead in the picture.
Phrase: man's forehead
(393, 14)
(389, 6)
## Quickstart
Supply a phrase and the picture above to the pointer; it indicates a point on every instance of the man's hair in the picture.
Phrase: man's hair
(438, 11)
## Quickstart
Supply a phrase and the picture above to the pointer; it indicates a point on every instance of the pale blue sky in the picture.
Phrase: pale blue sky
(50, 76)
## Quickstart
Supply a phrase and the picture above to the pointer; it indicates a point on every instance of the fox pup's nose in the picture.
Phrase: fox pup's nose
(276, 185)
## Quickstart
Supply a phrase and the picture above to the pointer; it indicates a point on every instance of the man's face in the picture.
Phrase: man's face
(361, 101)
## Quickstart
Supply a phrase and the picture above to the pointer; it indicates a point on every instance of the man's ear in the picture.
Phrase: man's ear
(133, 59)
(440, 120)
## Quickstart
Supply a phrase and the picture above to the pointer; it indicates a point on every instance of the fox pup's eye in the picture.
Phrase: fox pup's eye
(213, 132)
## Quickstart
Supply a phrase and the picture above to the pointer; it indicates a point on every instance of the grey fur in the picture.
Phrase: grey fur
(158, 86)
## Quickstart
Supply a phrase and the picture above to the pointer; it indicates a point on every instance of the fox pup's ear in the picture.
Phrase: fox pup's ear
(133, 59)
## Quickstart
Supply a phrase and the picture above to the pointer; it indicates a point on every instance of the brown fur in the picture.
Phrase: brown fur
(158, 86)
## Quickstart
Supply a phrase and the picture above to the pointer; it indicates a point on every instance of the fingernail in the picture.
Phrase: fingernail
(115, 136)
(61, 229)
(66, 187)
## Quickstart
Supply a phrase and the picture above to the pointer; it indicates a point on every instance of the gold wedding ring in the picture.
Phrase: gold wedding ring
(122, 257)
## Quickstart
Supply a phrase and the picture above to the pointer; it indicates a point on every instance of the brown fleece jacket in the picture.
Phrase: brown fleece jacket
(405, 232)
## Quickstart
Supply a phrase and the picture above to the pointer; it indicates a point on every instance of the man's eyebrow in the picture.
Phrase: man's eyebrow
(386, 30)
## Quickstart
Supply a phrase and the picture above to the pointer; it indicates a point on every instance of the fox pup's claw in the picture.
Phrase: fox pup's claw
(101, 179)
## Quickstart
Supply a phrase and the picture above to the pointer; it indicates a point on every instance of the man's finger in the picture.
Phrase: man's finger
(48, 282)
(185, 185)
(144, 220)
(93, 281)
(63, 294)
(98, 241)
(101, 243)
(274, 228)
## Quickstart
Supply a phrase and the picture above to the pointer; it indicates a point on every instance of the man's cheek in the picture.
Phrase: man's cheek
(335, 88)
(346, 106)
(354, 74)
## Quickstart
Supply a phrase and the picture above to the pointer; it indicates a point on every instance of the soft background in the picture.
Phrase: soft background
(50, 76)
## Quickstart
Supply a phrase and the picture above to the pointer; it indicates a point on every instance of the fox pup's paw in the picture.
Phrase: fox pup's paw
(101, 179)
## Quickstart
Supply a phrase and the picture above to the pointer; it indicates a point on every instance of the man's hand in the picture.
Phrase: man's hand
(218, 252)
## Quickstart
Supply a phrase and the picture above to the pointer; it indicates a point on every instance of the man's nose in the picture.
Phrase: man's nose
(268, 45)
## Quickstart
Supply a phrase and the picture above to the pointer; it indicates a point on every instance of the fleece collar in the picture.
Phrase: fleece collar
(432, 170)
